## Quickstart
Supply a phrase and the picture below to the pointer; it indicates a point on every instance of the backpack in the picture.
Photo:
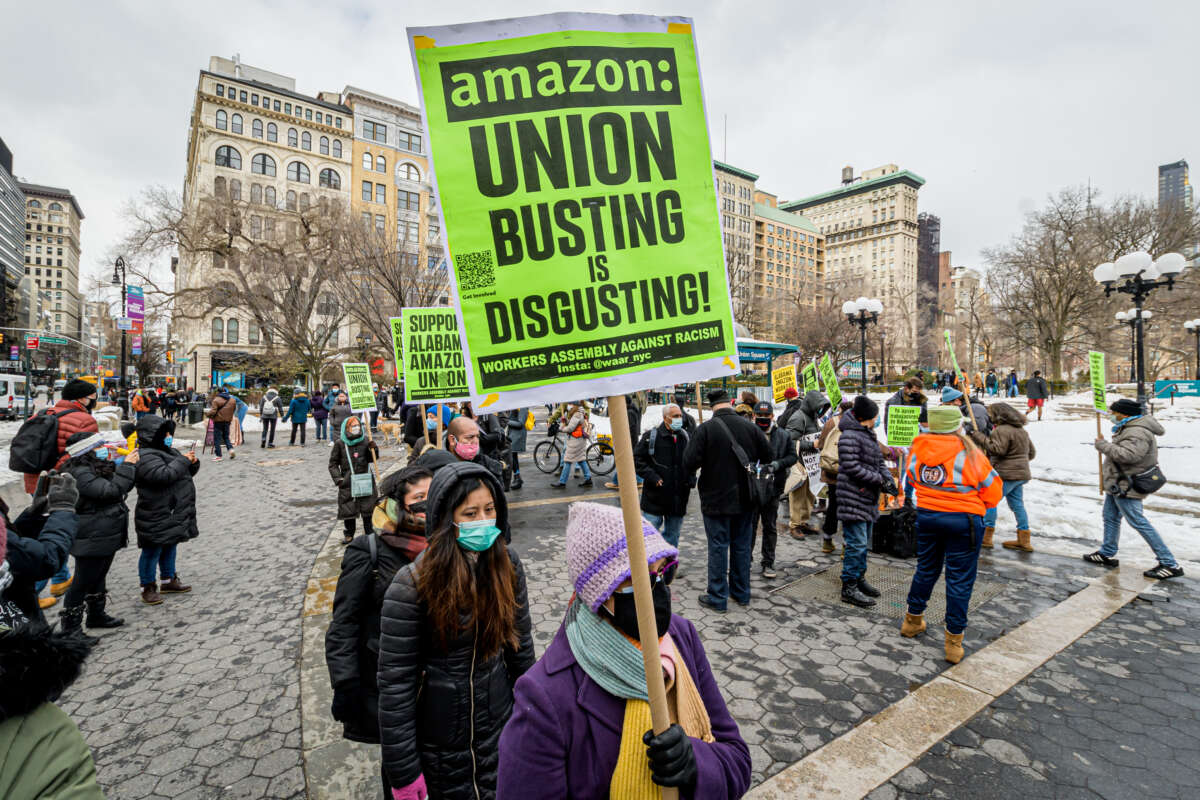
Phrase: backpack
(829, 452)
(269, 409)
(35, 447)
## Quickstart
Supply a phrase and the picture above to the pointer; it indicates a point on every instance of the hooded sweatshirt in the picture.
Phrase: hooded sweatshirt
(1008, 445)
(950, 479)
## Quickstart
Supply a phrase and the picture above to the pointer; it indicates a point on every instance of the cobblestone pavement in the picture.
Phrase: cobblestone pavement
(1115, 716)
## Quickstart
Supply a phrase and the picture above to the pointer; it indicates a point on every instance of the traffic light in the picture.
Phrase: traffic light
(170, 355)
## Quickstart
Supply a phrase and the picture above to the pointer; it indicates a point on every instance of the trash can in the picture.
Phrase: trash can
(195, 412)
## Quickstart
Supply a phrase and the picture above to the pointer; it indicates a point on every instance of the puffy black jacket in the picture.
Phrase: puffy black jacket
(1036, 388)
(344, 460)
(37, 548)
(103, 515)
(724, 484)
(783, 455)
(860, 472)
(665, 465)
(166, 505)
(441, 709)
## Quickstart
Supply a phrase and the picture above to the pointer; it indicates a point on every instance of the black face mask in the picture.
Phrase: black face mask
(763, 422)
(417, 508)
(624, 613)
(91, 404)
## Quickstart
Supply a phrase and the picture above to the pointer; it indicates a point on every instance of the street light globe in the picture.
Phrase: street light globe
(1170, 264)
(862, 303)
(1121, 316)
(875, 305)
(1147, 314)
(1105, 273)
(1130, 264)
(849, 308)
(1190, 324)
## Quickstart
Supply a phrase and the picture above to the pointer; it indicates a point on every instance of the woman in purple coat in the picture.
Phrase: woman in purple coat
(580, 728)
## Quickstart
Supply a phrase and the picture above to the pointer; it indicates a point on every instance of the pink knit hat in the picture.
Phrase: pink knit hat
(597, 559)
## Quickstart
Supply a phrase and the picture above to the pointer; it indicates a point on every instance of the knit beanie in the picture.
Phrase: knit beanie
(864, 408)
(77, 390)
(597, 559)
(950, 393)
(944, 419)
(1130, 408)
(790, 393)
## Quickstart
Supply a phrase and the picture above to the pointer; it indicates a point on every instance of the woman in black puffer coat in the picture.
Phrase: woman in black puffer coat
(352, 454)
(103, 527)
(455, 636)
(165, 514)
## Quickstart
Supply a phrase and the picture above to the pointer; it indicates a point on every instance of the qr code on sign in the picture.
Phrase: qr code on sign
(475, 270)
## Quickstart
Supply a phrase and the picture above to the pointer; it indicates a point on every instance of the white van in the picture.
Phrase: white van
(12, 396)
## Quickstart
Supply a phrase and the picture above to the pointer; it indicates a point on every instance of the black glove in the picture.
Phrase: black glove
(672, 761)
(808, 446)
(346, 703)
(889, 487)
(61, 493)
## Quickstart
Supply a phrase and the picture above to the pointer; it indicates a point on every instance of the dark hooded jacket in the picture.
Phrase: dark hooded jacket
(38, 545)
(666, 465)
(860, 472)
(724, 484)
(1008, 446)
(442, 709)
(166, 506)
(103, 517)
(804, 421)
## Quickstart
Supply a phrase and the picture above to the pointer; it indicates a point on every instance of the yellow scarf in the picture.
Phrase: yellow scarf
(631, 778)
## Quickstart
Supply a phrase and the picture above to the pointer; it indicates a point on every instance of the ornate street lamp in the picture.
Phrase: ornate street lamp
(863, 312)
(118, 279)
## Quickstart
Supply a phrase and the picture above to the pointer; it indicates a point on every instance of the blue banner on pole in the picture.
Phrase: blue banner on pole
(1178, 388)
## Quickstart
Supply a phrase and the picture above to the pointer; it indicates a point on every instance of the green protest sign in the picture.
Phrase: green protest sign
(902, 425)
(1099, 389)
(574, 172)
(810, 377)
(426, 342)
(953, 357)
(358, 387)
(829, 378)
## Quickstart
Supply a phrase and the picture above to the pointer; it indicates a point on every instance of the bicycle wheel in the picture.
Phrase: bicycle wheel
(547, 457)
(600, 458)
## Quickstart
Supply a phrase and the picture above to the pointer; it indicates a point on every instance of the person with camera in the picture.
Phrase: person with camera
(861, 478)
(783, 457)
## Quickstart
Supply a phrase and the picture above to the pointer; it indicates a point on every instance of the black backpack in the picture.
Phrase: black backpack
(35, 447)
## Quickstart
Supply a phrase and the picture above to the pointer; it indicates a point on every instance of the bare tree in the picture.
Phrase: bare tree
(822, 328)
(153, 357)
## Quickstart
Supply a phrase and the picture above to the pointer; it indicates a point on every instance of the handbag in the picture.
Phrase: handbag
(1145, 482)
(761, 482)
(362, 484)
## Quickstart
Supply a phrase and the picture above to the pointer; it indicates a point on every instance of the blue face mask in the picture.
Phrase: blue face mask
(167, 441)
(431, 424)
(677, 424)
(477, 535)
(101, 453)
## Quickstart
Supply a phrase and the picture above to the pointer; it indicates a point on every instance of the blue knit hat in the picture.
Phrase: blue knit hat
(950, 393)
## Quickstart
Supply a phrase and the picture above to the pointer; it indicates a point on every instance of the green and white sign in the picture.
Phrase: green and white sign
(809, 372)
(829, 378)
(903, 425)
(358, 387)
(574, 171)
(1099, 389)
(426, 342)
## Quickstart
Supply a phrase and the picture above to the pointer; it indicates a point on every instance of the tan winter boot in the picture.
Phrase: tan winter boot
(954, 647)
(1020, 543)
(987, 538)
(913, 625)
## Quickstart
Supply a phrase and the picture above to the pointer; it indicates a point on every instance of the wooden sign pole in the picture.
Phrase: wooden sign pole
(437, 412)
(424, 423)
(1099, 455)
(366, 417)
(699, 404)
(636, 547)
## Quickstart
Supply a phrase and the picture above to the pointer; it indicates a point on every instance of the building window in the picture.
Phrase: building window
(410, 142)
(242, 96)
(219, 186)
(220, 90)
(228, 157)
(269, 196)
(298, 172)
(252, 334)
(254, 99)
(293, 138)
(235, 124)
(366, 191)
(304, 201)
(256, 129)
(380, 222)
(218, 330)
(263, 164)
(380, 193)
(375, 131)
(330, 179)
(308, 113)
(408, 201)
(272, 132)
(290, 200)
(324, 145)
(380, 164)
(231, 331)
(222, 121)
(409, 172)
(409, 231)
(276, 105)
(255, 193)
(255, 226)
(306, 140)
(287, 108)
(337, 148)
(367, 161)
(339, 122)
(235, 189)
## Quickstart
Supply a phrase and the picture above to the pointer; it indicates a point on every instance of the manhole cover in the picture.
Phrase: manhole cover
(280, 462)
(892, 582)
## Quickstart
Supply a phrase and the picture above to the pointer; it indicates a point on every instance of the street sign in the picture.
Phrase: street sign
(112, 357)
(53, 340)
(31, 343)
(124, 324)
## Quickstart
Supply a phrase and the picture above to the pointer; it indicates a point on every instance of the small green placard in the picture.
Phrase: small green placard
(902, 425)
(1096, 368)
(427, 344)
(829, 378)
(953, 357)
(810, 377)
(358, 387)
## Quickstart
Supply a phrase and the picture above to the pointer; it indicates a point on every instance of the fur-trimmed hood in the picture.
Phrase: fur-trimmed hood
(36, 666)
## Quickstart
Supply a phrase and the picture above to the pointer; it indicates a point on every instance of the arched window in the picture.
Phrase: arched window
(327, 305)
(219, 186)
(231, 331)
(306, 140)
(218, 330)
(298, 172)
(272, 132)
(410, 172)
(34, 204)
(256, 129)
(330, 179)
(235, 189)
(55, 207)
(263, 164)
(235, 124)
(304, 201)
(228, 157)
(337, 148)
(293, 137)
(290, 200)
(222, 121)
(368, 162)
(222, 294)
(252, 333)
(380, 164)
(255, 193)
(324, 145)
(269, 196)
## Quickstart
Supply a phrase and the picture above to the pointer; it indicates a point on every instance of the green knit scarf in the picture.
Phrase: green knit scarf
(606, 656)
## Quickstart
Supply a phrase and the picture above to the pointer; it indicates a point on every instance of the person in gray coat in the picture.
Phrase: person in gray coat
(1133, 450)
(515, 427)
(801, 423)
(339, 412)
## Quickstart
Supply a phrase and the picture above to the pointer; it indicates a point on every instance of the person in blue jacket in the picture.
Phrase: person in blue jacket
(40, 539)
(298, 413)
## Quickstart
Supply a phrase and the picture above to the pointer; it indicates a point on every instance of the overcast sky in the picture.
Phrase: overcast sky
(994, 106)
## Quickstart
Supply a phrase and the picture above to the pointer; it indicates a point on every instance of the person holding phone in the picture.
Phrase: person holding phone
(165, 514)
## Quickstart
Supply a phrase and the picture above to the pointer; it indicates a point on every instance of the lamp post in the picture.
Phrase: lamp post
(363, 340)
(1138, 274)
(863, 312)
(119, 278)
(1130, 318)
(1193, 326)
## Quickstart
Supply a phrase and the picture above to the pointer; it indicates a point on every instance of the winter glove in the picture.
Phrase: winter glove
(61, 493)
(672, 761)
(414, 791)
(889, 487)
(346, 703)
(808, 446)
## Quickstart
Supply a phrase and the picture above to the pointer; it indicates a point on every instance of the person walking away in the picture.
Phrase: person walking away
(517, 436)
(182, 398)
(270, 409)
(350, 466)
(455, 634)
(1036, 393)
(368, 566)
(165, 514)
(977, 413)
(320, 415)
(168, 401)
(38, 541)
(726, 503)
(557, 746)
(139, 405)
(297, 412)
(955, 487)
(576, 429)
(1010, 450)
(222, 409)
(339, 412)
(827, 445)
(667, 484)
(103, 522)
(783, 458)
(1132, 452)
(978, 384)
(801, 424)
(862, 476)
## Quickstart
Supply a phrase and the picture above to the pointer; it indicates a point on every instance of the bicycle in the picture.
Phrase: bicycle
(600, 457)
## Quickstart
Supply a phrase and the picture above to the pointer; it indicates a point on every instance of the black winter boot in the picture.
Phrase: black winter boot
(852, 595)
(517, 483)
(866, 588)
(70, 620)
(97, 617)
